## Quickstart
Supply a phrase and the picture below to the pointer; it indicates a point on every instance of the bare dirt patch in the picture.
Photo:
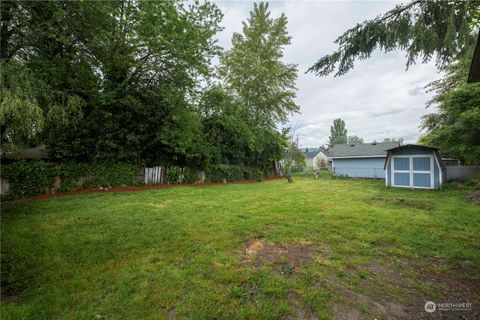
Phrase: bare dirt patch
(474, 196)
(455, 284)
(417, 282)
(377, 308)
(341, 312)
(400, 202)
(7, 297)
(284, 258)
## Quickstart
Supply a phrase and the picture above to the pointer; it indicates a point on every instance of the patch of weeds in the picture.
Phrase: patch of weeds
(238, 292)
(405, 203)
(287, 270)
(340, 272)
(362, 274)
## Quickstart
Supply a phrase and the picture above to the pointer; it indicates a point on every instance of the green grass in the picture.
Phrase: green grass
(180, 252)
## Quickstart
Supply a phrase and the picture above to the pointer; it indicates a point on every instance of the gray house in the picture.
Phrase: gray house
(414, 166)
(366, 160)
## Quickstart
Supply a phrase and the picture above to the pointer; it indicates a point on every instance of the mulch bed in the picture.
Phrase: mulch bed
(135, 188)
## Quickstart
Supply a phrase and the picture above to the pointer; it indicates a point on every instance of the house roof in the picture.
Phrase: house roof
(474, 74)
(310, 153)
(364, 150)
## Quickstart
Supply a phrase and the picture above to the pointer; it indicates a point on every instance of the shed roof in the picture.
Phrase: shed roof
(374, 149)
(405, 146)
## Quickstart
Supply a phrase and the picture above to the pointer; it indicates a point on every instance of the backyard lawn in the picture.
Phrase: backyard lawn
(314, 249)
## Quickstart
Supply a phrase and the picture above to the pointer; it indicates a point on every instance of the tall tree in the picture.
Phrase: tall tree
(253, 69)
(455, 125)
(399, 140)
(354, 140)
(338, 133)
(423, 28)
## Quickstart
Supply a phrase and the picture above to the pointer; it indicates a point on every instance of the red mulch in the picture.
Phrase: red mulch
(135, 188)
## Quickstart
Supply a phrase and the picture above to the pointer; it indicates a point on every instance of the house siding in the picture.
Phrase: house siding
(359, 167)
(310, 163)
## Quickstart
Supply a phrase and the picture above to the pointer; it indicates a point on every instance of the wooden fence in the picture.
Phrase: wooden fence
(153, 175)
(462, 173)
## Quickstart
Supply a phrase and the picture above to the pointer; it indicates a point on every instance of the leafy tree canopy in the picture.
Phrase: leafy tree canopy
(118, 79)
(354, 140)
(399, 140)
(423, 28)
(455, 126)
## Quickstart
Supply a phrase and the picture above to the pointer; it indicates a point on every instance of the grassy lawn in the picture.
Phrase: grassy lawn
(315, 249)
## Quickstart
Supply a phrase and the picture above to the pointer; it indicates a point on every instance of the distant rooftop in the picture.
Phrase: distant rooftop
(310, 153)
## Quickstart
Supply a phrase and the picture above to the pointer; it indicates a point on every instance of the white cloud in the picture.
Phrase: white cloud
(377, 99)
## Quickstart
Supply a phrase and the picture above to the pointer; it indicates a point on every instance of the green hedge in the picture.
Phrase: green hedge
(95, 175)
(219, 172)
(254, 173)
(214, 173)
(29, 178)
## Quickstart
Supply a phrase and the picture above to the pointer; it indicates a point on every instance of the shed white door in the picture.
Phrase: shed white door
(422, 172)
(415, 171)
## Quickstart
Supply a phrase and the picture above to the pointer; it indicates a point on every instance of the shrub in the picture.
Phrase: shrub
(190, 175)
(29, 178)
(251, 173)
(172, 175)
(219, 172)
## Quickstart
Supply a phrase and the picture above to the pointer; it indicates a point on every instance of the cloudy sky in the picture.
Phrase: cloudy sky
(377, 99)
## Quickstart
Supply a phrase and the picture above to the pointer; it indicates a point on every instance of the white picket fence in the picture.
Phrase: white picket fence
(153, 175)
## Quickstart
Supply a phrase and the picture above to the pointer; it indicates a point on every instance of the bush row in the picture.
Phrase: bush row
(221, 172)
(29, 178)
(214, 173)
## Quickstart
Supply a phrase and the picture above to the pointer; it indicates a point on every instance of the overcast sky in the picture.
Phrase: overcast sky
(377, 99)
